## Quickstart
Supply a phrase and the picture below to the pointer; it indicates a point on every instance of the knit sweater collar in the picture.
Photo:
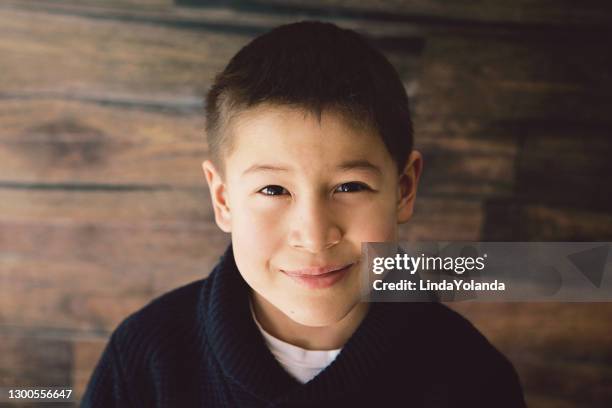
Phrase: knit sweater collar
(244, 358)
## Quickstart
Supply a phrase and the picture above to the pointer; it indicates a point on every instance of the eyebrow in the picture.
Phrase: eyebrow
(360, 164)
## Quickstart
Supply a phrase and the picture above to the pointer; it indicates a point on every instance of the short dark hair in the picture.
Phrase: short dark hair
(315, 66)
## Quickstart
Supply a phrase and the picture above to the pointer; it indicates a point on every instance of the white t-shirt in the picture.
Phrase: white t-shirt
(300, 363)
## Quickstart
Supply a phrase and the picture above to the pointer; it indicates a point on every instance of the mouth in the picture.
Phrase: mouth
(319, 277)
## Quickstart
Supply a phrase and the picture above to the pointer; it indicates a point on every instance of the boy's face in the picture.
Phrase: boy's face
(299, 198)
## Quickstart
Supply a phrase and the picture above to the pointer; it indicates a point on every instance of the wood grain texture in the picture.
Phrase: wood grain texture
(511, 13)
(31, 362)
(568, 348)
(516, 79)
(103, 205)
(90, 275)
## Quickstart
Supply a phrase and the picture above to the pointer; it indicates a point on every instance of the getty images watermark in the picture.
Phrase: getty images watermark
(487, 271)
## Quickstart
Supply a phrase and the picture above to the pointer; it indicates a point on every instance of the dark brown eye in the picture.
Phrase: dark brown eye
(352, 187)
(273, 190)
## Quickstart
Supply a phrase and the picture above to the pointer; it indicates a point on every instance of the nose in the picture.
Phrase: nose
(313, 227)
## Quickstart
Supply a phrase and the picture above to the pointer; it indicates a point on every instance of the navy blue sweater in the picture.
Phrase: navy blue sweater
(198, 346)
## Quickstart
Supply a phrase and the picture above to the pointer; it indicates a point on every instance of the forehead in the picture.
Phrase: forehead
(283, 133)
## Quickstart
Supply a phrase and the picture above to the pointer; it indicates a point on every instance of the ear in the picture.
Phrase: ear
(218, 195)
(407, 186)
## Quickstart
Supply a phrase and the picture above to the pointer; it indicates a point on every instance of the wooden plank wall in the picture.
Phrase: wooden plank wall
(103, 206)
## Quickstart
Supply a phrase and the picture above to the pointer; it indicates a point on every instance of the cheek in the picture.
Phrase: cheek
(255, 231)
(375, 223)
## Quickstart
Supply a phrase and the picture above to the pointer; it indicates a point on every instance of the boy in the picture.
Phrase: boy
(310, 140)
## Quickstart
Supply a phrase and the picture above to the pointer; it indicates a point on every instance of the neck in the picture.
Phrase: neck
(331, 337)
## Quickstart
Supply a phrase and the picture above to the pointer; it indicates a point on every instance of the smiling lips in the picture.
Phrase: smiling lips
(319, 277)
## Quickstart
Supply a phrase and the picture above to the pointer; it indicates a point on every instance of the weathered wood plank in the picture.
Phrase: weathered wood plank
(566, 171)
(464, 135)
(520, 325)
(57, 308)
(88, 276)
(568, 354)
(30, 361)
(36, 358)
(111, 55)
(135, 51)
(472, 76)
(77, 142)
(444, 218)
(483, 174)
(107, 205)
(512, 220)
(582, 384)
(541, 161)
(86, 353)
(443, 13)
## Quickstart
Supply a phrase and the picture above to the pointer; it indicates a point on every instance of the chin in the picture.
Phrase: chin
(316, 314)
